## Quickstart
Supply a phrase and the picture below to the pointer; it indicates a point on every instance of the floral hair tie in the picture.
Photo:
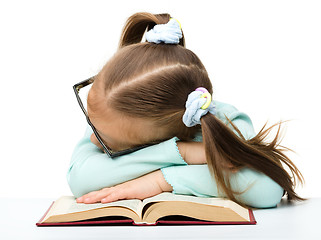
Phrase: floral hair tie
(169, 33)
(198, 104)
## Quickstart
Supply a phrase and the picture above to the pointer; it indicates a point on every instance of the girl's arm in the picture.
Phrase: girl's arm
(148, 185)
(190, 179)
(262, 192)
(91, 169)
(196, 180)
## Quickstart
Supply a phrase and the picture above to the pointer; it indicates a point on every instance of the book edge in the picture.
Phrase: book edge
(45, 214)
(86, 223)
(252, 218)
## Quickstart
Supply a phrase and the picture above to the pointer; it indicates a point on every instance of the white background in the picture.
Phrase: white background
(264, 57)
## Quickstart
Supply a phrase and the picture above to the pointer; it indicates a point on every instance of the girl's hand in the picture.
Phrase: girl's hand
(140, 188)
(192, 152)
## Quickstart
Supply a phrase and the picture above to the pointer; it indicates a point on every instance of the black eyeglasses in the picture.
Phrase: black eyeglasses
(111, 153)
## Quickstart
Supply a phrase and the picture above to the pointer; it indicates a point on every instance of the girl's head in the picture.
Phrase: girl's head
(139, 97)
(140, 94)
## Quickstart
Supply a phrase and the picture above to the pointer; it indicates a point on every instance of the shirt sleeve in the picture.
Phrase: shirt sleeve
(196, 179)
(91, 169)
(260, 191)
(240, 119)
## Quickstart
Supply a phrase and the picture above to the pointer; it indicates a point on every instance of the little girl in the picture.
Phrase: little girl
(155, 128)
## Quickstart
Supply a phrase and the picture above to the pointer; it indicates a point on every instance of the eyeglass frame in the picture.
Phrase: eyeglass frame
(107, 150)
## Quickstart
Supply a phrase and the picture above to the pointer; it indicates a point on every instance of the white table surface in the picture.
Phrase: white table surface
(287, 221)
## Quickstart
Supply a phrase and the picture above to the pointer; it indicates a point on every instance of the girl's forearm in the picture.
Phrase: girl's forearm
(192, 152)
(91, 170)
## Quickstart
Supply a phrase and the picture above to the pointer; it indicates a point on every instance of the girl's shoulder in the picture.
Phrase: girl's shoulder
(238, 118)
(224, 110)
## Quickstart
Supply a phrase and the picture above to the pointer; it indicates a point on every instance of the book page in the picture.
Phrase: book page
(167, 196)
(68, 204)
(212, 201)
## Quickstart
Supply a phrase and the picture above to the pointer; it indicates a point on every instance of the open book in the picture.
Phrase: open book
(165, 208)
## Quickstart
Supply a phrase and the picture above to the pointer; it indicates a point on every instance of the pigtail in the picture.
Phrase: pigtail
(227, 152)
(138, 23)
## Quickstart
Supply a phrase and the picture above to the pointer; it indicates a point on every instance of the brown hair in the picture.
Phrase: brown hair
(152, 81)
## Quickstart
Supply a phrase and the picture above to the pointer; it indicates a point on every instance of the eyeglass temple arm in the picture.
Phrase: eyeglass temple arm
(82, 84)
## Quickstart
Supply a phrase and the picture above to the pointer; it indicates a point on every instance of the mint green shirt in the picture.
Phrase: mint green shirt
(91, 169)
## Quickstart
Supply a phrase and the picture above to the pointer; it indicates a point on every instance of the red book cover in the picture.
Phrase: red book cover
(172, 220)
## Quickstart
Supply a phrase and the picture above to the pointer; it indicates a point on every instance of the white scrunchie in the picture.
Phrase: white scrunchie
(169, 33)
(193, 112)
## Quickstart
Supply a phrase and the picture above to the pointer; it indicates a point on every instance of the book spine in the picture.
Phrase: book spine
(144, 224)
